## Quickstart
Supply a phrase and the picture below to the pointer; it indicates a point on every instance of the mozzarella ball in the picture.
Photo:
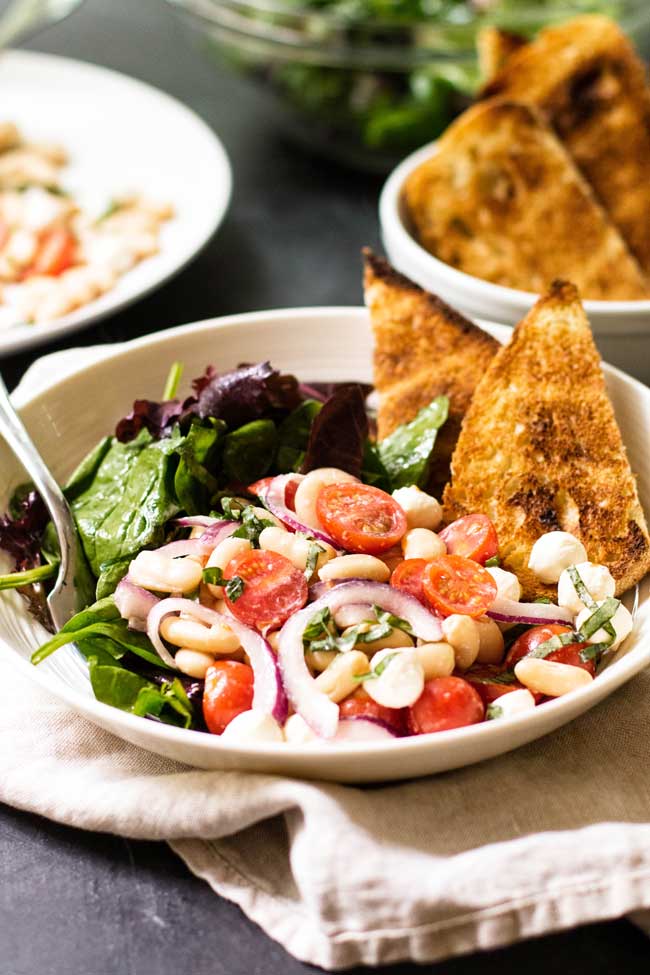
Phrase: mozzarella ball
(553, 553)
(401, 680)
(421, 510)
(252, 728)
(298, 732)
(598, 581)
(512, 703)
(508, 585)
(621, 621)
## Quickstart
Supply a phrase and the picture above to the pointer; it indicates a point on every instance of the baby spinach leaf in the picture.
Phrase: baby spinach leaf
(293, 436)
(252, 526)
(130, 692)
(193, 483)
(373, 471)
(406, 453)
(248, 451)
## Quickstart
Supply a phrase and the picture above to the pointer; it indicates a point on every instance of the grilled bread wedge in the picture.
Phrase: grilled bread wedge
(592, 87)
(540, 449)
(494, 47)
(501, 199)
(423, 349)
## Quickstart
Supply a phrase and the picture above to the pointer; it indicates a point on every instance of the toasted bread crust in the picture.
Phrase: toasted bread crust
(423, 349)
(502, 200)
(592, 87)
(494, 47)
(540, 449)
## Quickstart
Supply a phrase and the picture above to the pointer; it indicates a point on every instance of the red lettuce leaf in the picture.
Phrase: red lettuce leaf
(339, 432)
(21, 531)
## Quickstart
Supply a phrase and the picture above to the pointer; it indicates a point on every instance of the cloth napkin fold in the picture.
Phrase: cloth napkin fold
(550, 836)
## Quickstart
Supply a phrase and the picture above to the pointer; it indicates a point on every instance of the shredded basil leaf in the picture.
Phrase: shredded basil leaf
(599, 618)
(593, 651)
(321, 633)
(585, 597)
(234, 588)
(252, 526)
(378, 670)
(311, 562)
(213, 575)
(232, 508)
(507, 677)
(493, 563)
(319, 623)
(493, 711)
(555, 643)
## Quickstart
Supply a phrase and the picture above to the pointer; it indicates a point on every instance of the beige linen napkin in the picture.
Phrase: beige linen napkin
(553, 835)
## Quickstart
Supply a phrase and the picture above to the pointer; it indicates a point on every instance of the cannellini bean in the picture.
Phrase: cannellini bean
(265, 515)
(491, 645)
(512, 703)
(355, 567)
(421, 509)
(319, 660)
(223, 554)
(396, 638)
(621, 621)
(338, 680)
(597, 579)
(353, 614)
(392, 557)
(296, 548)
(437, 659)
(193, 663)
(151, 570)
(401, 680)
(274, 640)
(192, 635)
(253, 727)
(549, 677)
(508, 585)
(298, 732)
(420, 543)
(554, 552)
(463, 635)
(309, 489)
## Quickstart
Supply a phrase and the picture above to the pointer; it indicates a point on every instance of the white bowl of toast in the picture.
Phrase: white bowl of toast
(546, 177)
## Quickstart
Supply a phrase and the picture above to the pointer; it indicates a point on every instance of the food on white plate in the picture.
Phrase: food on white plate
(501, 199)
(237, 582)
(55, 255)
(592, 87)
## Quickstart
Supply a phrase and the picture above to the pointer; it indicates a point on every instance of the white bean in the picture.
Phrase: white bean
(274, 640)
(401, 680)
(319, 660)
(298, 732)
(193, 663)
(296, 548)
(355, 567)
(512, 703)
(491, 645)
(437, 659)
(253, 727)
(508, 585)
(265, 515)
(396, 638)
(421, 509)
(463, 635)
(420, 543)
(151, 570)
(223, 554)
(338, 680)
(549, 677)
(192, 635)
(309, 489)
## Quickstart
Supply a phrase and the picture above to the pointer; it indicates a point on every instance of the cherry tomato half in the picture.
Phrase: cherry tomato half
(408, 577)
(531, 639)
(228, 691)
(273, 588)
(56, 252)
(454, 584)
(485, 680)
(259, 487)
(361, 704)
(473, 536)
(445, 703)
(360, 518)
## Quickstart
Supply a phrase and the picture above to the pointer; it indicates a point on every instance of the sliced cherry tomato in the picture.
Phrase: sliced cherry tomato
(485, 680)
(228, 691)
(360, 518)
(408, 577)
(531, 639)
(258, 487)
(360, 703)
(445, 703)
(454, 584)
(473, 536)
(56, 252)
(273, 589)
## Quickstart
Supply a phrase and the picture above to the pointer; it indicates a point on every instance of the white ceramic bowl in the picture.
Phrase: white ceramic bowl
(72, 413)
(621, 328)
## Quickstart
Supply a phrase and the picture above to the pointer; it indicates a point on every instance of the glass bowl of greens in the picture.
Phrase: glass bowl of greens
(368, 81)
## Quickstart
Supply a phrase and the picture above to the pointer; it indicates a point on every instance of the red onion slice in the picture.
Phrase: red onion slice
(509, 611)
(312, 705)
(134, 603)
(268, 691)
(197, 521)
(353, 614)
(273, 499)
(202, 546)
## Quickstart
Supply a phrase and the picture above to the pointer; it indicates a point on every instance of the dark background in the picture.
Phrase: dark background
(74, 903)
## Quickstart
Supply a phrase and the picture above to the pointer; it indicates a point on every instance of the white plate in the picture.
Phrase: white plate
(70, 416)
(121, 135)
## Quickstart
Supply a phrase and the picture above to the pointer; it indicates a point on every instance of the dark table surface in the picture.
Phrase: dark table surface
(74, 903)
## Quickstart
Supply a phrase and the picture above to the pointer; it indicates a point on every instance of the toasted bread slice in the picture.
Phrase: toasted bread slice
(502, 200)
(540, 449)
(494, 47)
(587, 78)
(423, 349)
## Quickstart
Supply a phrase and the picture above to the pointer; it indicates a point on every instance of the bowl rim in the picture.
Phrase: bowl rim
(612, 677)
(392, 223)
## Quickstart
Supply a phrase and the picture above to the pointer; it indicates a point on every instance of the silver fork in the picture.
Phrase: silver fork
(62, 601)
